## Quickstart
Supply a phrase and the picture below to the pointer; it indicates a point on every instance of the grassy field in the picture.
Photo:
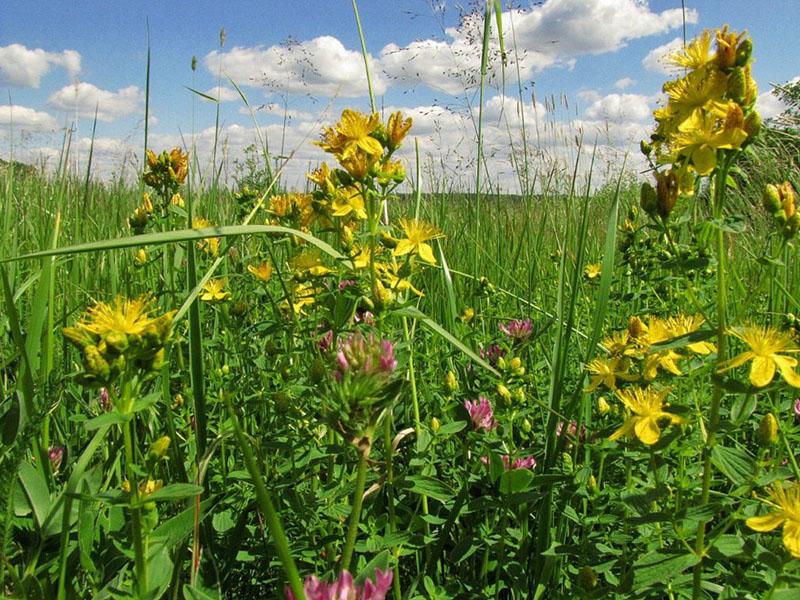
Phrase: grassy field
(586, 391)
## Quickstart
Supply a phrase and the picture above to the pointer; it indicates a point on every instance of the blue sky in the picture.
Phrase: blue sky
(58, 60)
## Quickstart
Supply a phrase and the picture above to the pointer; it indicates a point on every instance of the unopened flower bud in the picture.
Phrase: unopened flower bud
(526, 425)
(602, 405)
(737, 85)
(771, 198)
(587, 578)
(648, 199)
(158, 449)
(768, 430)
(645, 147)
(743, 52)
(450, 382)
(435, 425)
(504, 393)
(515, 363)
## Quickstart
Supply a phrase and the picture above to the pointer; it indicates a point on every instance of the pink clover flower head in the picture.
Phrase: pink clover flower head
(571, 430)
(492, 353)
(518, 330)
(105, 400)
(56, 455)
(345, 588)
(346, 283)
(481, 413)
(797, 408)
(528, 462)
(361, 355)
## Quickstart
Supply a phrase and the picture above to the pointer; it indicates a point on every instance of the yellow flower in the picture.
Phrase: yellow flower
(727, 43)
(213, 291)
(647, 407)
(700, 138)
(388, 272)
(397, 128)
(207, 245)
(179, 164)
(767, 348)
(262, 272)
(694, 94)
(352, 132)
(177, 200)
(322, 177)
(696, 55)
(280, 205)
(309, 263)
(302, 295)
(606, 371)
(124, 316)
(140, 258)
(417, 233)
(593, 271)
(786, 512)
(348, 201)
(683, 324)
(358, 164)
(147, 204)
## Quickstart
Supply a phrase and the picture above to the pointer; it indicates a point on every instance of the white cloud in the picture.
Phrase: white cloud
(318, 67)
(82, 98)
(624, 83)
(23, 117)
(620, 107)
(553, 34)
(656, 58)
(22, 67)
(769, 105)
(224, 94)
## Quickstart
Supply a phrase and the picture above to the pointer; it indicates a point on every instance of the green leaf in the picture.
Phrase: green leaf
(735, 463)
(515, 481)
(428, 486)
(381, 561)
(106, 419)
(174, 491)
(36, 491)
(656, 567)
(451, 428)
(196, 593)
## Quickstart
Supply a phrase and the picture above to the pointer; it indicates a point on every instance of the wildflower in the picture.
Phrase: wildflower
(55, 454)
(309, 263)
(322, 177)
(518, 330)
(481, 413)
(492, 354)
(158, 449)
(435, 424)
(417, 234)
(797, 408)
(281, 205)
(352, 133)
(140, 258)
(451, 383)
(786, 512)
(214, 291)
(727, 44)
(767, 348)
(602, 406)
(325, 342)
(683, 324)
(696, 55)
(467, 314)
(177, 200)
(647, 407)
(104, 399)
(302, 295)
(527, 462)
(365, 356)
(208, 245)
(700, 138)
(391, 171)
(345, 588)
(606, 371)
(349, 201)
(504, 393)
(262, 272)
(593, 271)
(397, 128)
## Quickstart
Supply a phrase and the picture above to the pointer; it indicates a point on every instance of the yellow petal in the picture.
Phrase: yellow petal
(648, 431)
(626, 429)
(762, 371)
(403, 247)
(786, 365)
(736, 361)
(791, 537)
(704, 159)
(426, 253)
(766, 522)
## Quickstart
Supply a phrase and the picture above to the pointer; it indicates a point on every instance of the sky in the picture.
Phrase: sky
(590, 67)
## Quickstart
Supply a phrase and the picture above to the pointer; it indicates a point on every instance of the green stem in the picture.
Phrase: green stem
(265, 504)
(355, 513)
(364, 54)
(139, 548)
(720, 183)
(387, 442)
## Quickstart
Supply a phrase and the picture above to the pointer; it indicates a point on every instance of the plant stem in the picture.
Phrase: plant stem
(720, 183)
(267, 507)
(355, 513)
(137, 534)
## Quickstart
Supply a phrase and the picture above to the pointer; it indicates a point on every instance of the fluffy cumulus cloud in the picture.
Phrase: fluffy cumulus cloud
(624, 83)
(20, 66)
(554, 33)
(318, 67)
(82, 98)
(223, 94)
(25, 118)
(620, 108)
(656, 59)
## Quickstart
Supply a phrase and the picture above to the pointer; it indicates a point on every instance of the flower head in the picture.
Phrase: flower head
(56, 455)
(397, 128)
(351, 134)
(593, 271)
(417, 234)
(767, 351)
(214, 291)
(262, 272)
(647, 406)
(518, 330)
(481, 413)
(786, 512)
(345, 588)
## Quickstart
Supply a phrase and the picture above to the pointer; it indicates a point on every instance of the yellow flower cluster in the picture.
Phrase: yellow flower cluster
(631, 356)
(166, 171)
(708, 110)
(113, 336)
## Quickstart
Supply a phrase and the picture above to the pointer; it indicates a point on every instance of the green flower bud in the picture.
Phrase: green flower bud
(743, 52)
(435, 425)
(737, 85)
(648, 199)
(768, 430)
(158, 449)
(771, 198)
(587, 578)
